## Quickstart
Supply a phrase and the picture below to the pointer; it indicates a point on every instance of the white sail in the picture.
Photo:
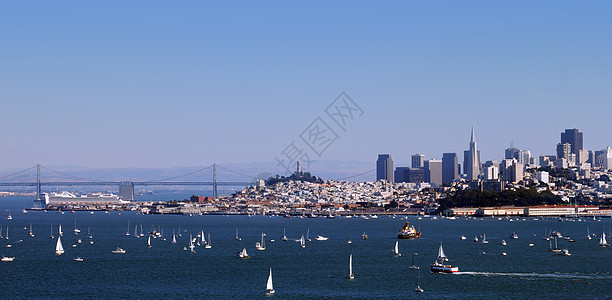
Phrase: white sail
(127, 232)
(149, 241)
(173, 239)
(602, 240)
(351, 276)
(60, 230)
(59, 249)
(202, 237)
(302, 242)
(396, 250)
(441, 255)
(269, 285)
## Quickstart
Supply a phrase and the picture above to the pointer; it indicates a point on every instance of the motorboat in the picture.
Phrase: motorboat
(439, 266)
(321, 238)
(118, 251)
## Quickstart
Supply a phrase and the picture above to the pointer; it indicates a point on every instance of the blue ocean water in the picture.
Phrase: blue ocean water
(318, 271)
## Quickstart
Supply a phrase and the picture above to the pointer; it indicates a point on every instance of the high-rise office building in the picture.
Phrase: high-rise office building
(511, 170)
(418, 160)
(512, 152)
(564, 150)
(471, 160)
(574, 138)
(405, 174)
(608, 158)
(384, 168)
(450, 167)
(433, 171)
(126, 190)
(401, 174)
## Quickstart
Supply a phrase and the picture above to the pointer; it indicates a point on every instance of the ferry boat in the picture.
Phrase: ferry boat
(439, 267)
(408, 232)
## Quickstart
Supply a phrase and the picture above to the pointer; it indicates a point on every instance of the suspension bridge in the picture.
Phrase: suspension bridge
(126, 188)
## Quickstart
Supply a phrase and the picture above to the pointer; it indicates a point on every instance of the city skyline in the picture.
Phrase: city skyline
(157, 85)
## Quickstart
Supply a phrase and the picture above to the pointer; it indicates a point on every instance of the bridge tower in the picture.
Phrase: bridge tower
(214, 181)
(37, 197)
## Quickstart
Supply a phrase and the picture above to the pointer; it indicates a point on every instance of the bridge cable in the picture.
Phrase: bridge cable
(17, 173)
(238, 173)
(190, 173)
(357, 175)
(71, 176)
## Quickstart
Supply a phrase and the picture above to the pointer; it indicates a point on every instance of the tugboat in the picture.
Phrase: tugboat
(408, 232)
(439, 267)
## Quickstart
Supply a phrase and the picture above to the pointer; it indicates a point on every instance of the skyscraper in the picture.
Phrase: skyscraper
(384, 168)
(564, 150)
(450, 167)
(418, 160)
(574, 138)
(433, 171)
(512, 152)
(471, 161)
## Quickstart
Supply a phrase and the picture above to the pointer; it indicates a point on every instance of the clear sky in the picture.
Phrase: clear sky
(183, 83)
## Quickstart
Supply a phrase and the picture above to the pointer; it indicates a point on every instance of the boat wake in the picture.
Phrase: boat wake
(539, 275)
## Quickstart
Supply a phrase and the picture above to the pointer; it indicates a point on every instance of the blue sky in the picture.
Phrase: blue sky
(158, 83)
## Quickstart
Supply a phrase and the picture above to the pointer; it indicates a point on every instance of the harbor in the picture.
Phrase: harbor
(319, 269)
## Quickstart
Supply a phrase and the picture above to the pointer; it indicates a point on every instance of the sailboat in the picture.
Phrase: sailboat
(243, 254)
(396, 249)
(284, 238)
(203, 239)
(173, 238)
(418, 288)
(191, 246)
(208, 245)
(351, 276)
(60, 232)
(31, 234)
(136, 231)
(302, 242)
(556, 249)
(308, 234)
(149, 241)
(269, 286)
(484, 239)
(141, 231)
(76, 230)
(51, 236)
(127, 232)
(588, 234)
(89, 233)
(237, 237)
(59, 249)
(0, 231)
(439, 267)
(7, 237)
(414, 267)
(350, 241)
(261, 246)
(602, 241)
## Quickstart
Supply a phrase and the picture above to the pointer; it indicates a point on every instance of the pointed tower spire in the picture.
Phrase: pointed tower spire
(472, 139)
